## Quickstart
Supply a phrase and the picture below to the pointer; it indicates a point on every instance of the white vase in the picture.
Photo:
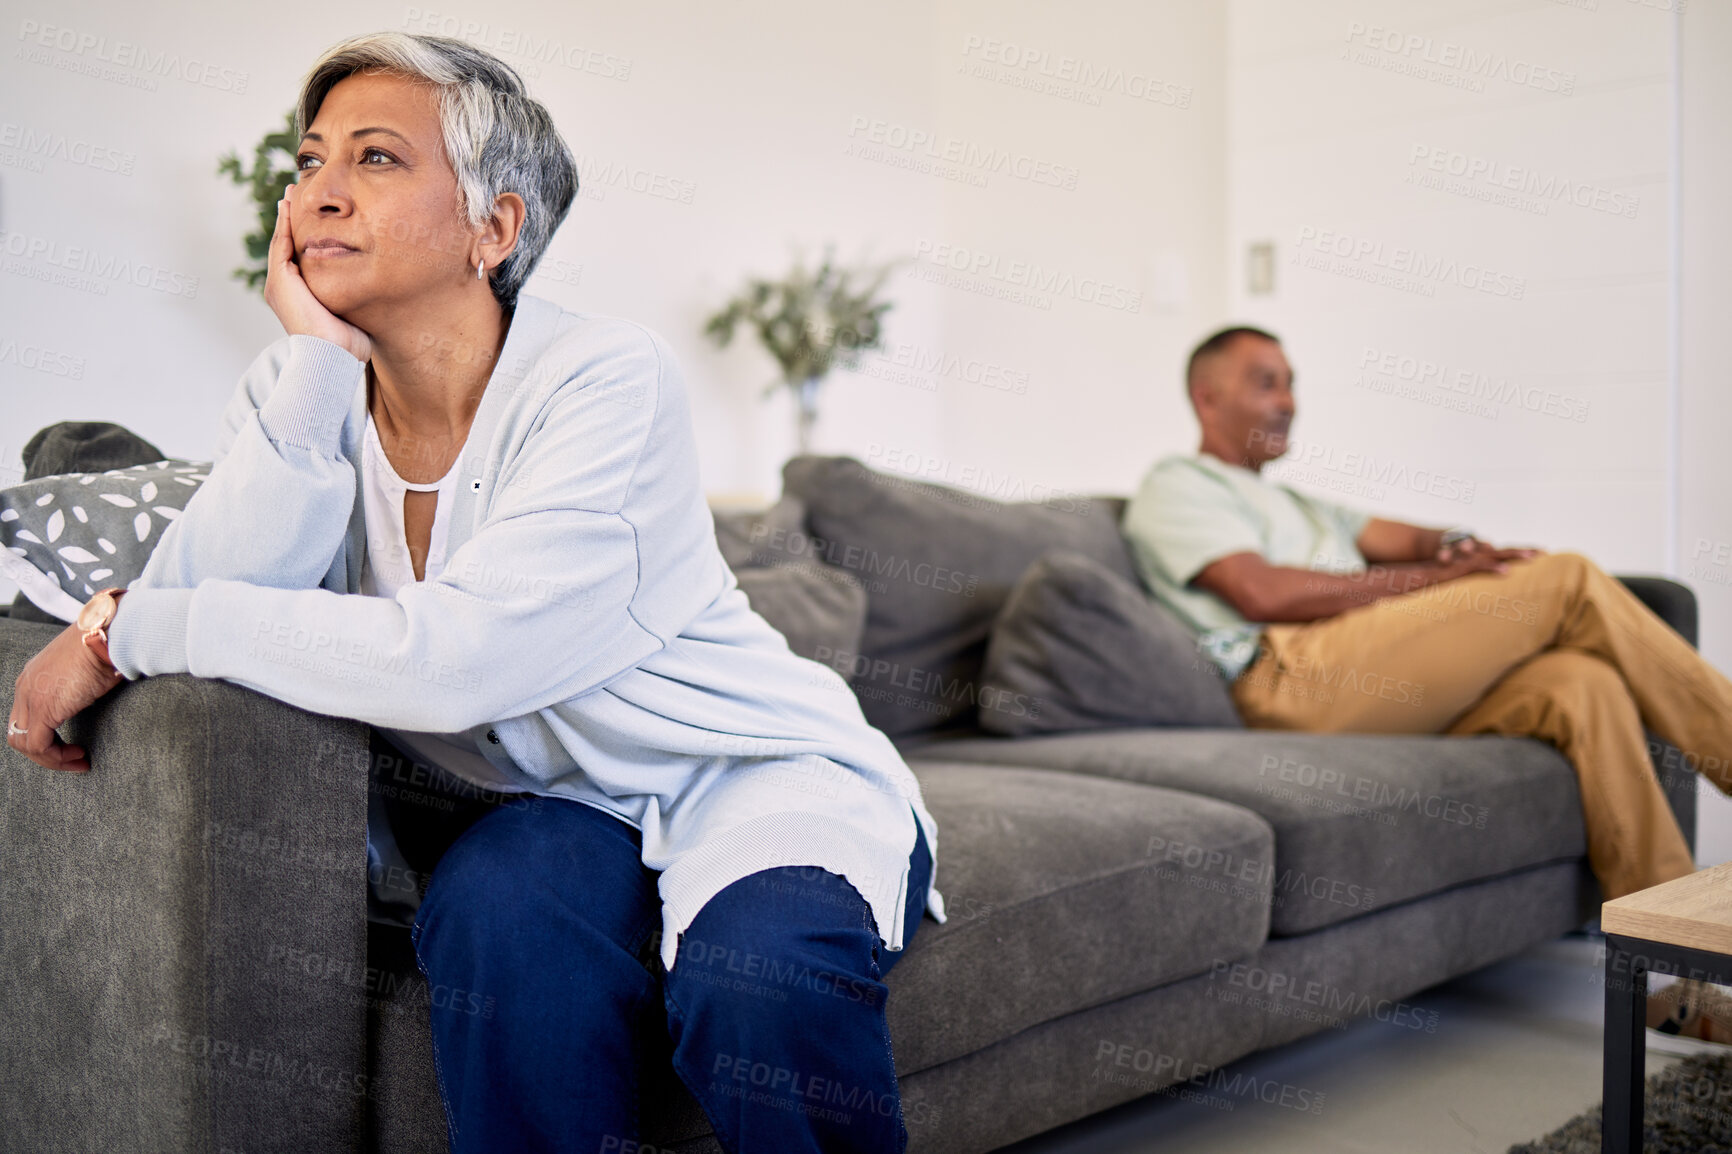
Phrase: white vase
(805, 412)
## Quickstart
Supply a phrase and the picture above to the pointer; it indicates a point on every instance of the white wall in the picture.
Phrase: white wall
(1327, 146)
(1705, 400)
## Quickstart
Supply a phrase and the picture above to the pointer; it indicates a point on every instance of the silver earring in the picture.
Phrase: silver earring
(477, 270)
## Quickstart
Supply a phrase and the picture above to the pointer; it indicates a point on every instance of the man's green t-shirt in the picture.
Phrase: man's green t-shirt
(1191, 511)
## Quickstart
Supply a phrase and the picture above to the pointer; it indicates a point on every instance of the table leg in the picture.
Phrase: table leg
(1626, 1051)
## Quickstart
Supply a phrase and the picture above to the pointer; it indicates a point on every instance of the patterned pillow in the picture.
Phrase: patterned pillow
(68, 535)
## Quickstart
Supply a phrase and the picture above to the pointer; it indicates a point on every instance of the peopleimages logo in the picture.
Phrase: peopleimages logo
(38, 145)
(521, 43)
(1366, 254)
(125, 54)
(971, 478)
(1280, 990)
(1384, 365)
(1382, 471)
(971, 156)
(1499, 176)
(599, 175)
(1164, 1070)
(986, 267)
(43, 360)
(1482, 66)
(1076, 76)
(924, 364)
(93, 263)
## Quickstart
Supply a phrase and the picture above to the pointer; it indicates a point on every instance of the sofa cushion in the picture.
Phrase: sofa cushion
(820, 609)
(1079, 647)
(938, 563)
(1063, 892)
(1362, 821)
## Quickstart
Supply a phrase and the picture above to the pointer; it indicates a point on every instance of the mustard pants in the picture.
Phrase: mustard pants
(1554, 648)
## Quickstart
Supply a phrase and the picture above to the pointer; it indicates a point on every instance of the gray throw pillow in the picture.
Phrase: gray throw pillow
(819, 609)
(938, 563)
(70, 534)
(744, 537)
(1080, 647)
(78, 447)
(85, 447)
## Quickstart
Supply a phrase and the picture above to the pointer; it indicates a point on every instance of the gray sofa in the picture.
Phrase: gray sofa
(186, 964)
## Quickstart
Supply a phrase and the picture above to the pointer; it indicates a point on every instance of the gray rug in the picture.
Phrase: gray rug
(1688, 1110)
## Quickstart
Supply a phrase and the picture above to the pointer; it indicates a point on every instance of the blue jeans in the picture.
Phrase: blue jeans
(539, 936)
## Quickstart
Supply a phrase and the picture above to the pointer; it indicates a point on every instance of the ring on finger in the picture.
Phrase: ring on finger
(13, 730)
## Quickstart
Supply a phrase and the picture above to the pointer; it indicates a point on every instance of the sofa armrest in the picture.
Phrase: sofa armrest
(1675, 604)
(183, 928)
(1672, 601)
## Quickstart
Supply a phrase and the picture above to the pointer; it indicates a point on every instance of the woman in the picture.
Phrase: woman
(547, 614)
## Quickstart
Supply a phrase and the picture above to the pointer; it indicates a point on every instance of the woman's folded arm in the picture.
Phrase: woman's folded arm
(278, 500)
(533, 610)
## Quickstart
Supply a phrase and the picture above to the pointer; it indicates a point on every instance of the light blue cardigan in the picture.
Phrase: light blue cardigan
(585, 616)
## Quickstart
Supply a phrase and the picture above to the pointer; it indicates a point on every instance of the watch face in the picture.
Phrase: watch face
(98, 609)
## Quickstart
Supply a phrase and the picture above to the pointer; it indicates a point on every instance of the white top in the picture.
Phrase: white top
(1193, 510)
(387, 567)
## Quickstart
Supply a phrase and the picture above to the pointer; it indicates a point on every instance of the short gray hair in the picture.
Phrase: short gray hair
(497, 137)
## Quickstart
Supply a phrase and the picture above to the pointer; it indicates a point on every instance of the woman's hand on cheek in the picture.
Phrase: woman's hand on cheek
(57, 684)
(287, 293)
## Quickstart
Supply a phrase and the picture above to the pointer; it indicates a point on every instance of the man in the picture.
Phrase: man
(1440, 633)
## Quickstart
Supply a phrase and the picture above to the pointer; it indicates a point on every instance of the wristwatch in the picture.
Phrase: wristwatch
(1453, 535)
(95, 618)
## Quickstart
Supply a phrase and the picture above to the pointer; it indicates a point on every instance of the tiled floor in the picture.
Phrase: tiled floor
(1515, 1053)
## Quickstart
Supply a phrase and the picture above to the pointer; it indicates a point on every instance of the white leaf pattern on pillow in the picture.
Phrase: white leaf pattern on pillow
(72, 542)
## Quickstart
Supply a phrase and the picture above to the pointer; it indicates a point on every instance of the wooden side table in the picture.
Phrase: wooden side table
(1682, 927)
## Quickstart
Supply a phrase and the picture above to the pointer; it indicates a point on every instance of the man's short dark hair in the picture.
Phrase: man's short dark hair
(1217, 343)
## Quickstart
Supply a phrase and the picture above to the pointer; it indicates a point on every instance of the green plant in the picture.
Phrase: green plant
(268, 180)
(809, 322)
